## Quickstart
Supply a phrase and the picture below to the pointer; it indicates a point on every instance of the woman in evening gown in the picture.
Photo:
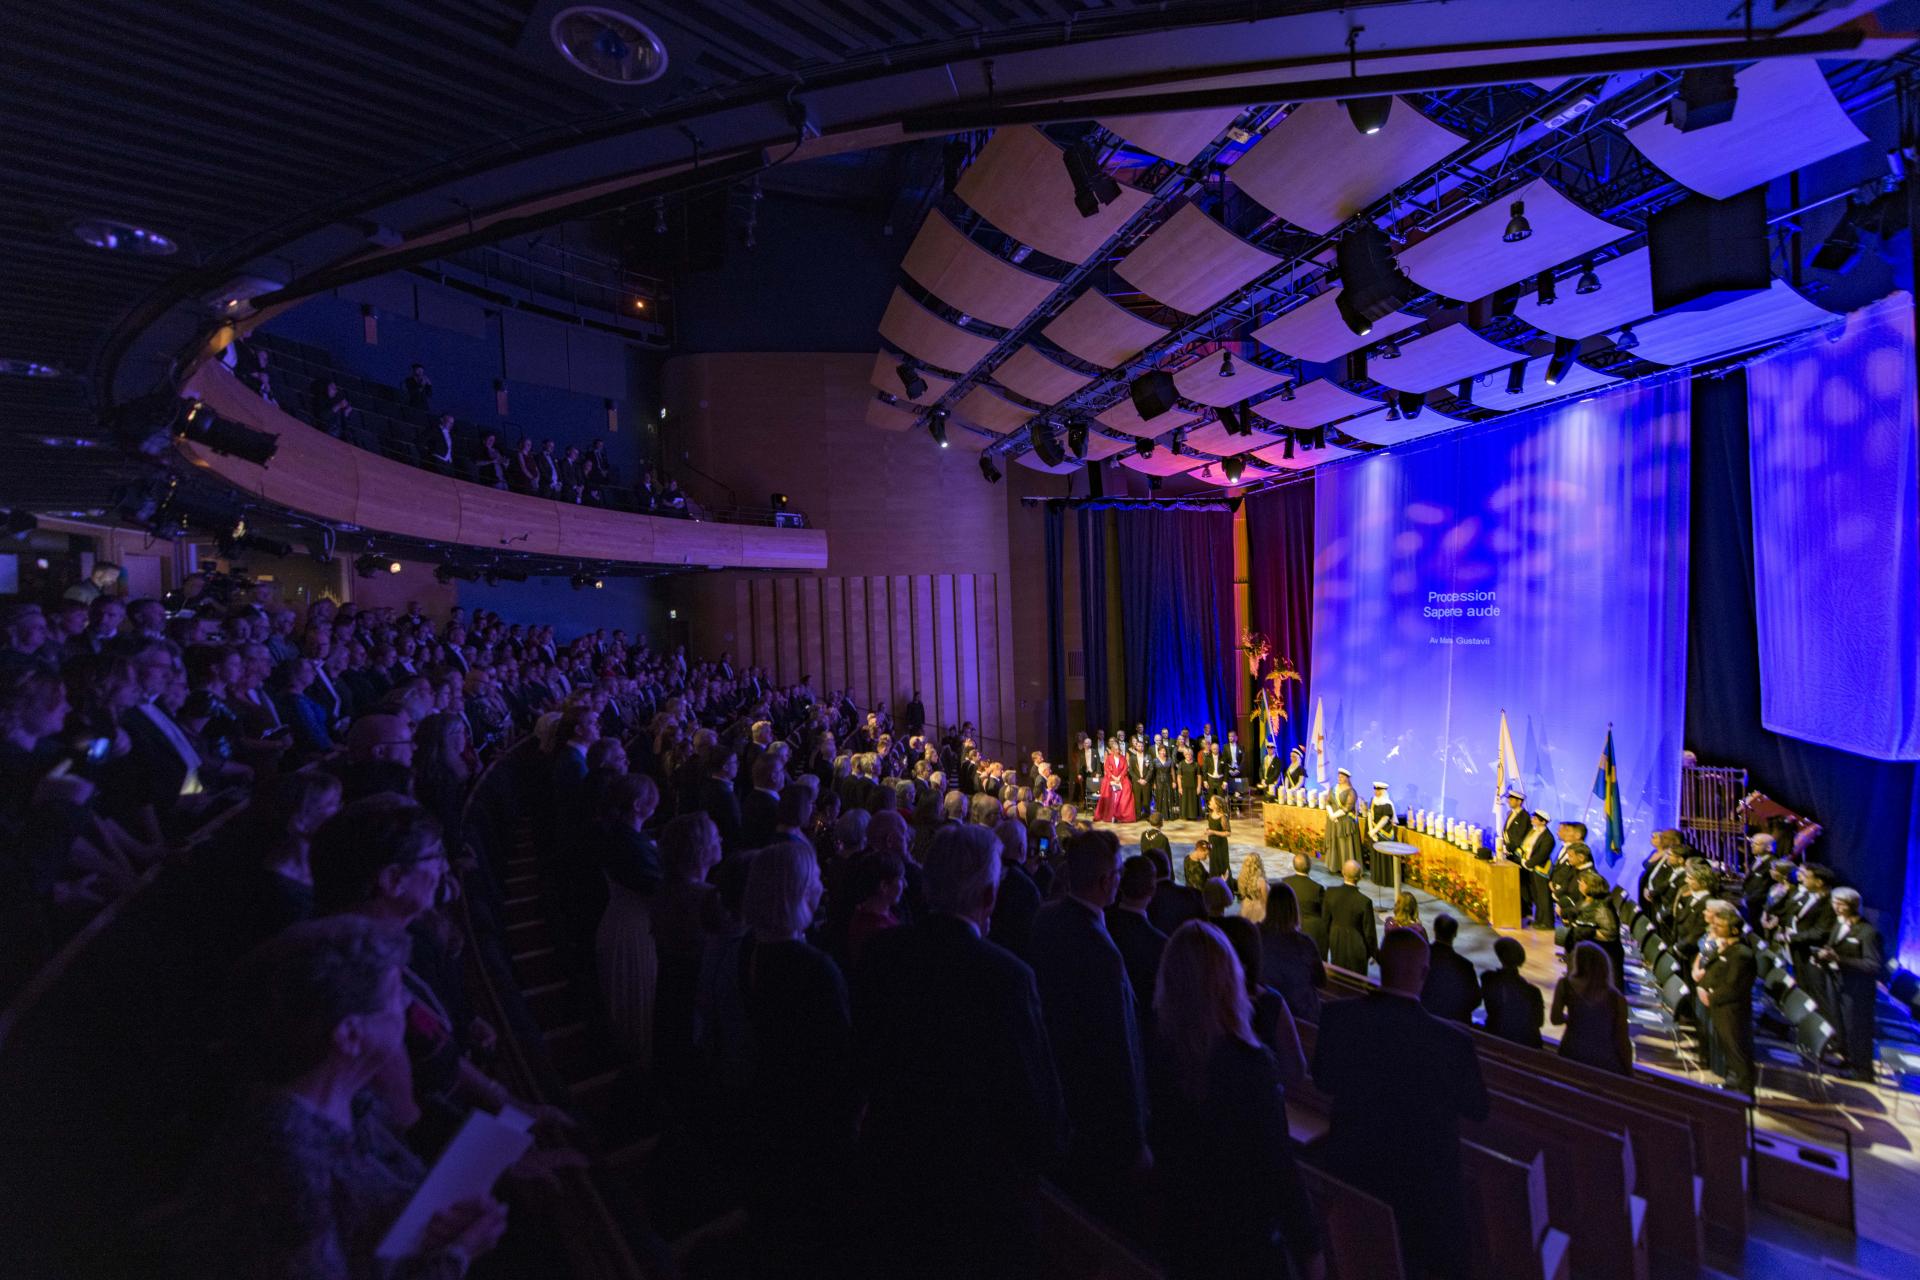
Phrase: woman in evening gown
(1187, 774)
(1160, 775)
(1219, 826)
(1116, 788)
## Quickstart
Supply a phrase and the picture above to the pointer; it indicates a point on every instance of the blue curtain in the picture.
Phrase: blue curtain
(1176, 609)
(1870, 808)
(1055, 525)
(1835, 494)
(1092, 528)
(1280, 591)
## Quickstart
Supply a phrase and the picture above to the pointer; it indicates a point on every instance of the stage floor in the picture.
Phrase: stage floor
(1884, 1121)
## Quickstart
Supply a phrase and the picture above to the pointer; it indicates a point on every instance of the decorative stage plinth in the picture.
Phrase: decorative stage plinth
(1487, 891)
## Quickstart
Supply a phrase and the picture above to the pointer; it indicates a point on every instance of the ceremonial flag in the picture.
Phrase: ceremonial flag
(1506, 770)
(1606, 789)
(1320, 740)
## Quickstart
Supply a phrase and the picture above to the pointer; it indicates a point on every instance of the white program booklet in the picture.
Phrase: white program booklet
(485, 1148)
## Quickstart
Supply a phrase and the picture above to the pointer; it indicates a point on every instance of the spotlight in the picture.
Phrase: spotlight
(394, 566)
(1516, 377)
(1143, 445)
(1393, 410)
(203, 426)
(1464, 391)
(1518, 228)
(639, 304)
(455, 572)
(370, 565)
(1388, 350)
(916, 386)
(987, 469)
(937, 427)
(1564, 349)
(1237, 419)
(1286, 391)
(1411, 403)
(1369, 115)
(1177, 443)
(501, 573)
(581, 581)
(1226, 364)
(1372, 286)
(1546, 295)
(1077, 435)
(19, 524)
(1092, 185)
(1627, 340)
(1232, 468)
(1589, 282)
(777, 501)
(1706, 97)
(122, 237)
(11, 368)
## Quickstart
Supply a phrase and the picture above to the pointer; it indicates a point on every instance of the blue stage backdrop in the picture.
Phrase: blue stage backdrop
(1538, 565)
(1836, 536)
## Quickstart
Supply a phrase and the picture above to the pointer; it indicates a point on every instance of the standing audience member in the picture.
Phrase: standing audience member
(1515, 1007)
(624, 954)
(1723, 977)
(1133, 932)
(1352, 940)
(1453, 988)
(1289, 959)
(1310, 897)
(1272, 1022)
(1018, 902)
(1593, 1011)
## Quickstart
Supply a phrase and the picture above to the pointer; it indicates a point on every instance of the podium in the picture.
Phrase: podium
(1398, 852)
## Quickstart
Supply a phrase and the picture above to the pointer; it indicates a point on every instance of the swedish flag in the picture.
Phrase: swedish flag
(1606, 788)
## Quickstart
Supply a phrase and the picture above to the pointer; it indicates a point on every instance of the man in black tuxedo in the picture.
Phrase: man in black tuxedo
(1564, 879)
(717, 798)
(1173, 903)
(1515, 1007)
(1452, 990)
(1352, 932)
(1233, 763)
(1093, 1027)
(1018, 900)
(1808, 929)
(1759, 877)
(1690, 912)
(964, 1113)
(1133, 931)
(1087, 766)
(436, 445)
(1519, 824)
(1536, 859)
(1312, 897)
(1854, 962)
(760, 807)
(1401, 1080)
(1140, 769)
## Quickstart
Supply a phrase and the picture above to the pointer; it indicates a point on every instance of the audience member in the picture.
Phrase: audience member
(1453, 988)
(1593, 1011)
(1515, 1007)
(1352, 937)
(1132, 930)
(1289, 959)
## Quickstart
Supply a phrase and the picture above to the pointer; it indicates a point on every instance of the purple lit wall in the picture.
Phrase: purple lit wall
(1537, 565)
(1836, 536)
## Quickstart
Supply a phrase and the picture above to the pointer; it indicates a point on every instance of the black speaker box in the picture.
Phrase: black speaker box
(1708, 252)
(1153, 393)
(1046, 445)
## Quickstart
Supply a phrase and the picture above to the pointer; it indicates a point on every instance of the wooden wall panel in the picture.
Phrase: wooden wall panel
(945, 660)
(986, 613)
(857, 679)
(813, 635)
(966, 648)
(763, 623)
(786, 623)
(833, 609)
(921, 587)
(743, 648)
(880, 644)
(900, 604)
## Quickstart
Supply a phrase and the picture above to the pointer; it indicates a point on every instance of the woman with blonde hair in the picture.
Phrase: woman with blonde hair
(1593, 1011)
(1406, 914)
(1252, 886)
(1234, 1204)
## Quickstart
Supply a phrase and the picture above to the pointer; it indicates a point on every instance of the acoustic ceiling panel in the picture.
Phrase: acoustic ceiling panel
(1314, 331)
(889, 417)
(1625, 295)
(1019, 183)
(1042, 380)
(1315, 404)
(1785, 117)
(926, 337)
(1191, 262)
(1101, 331)
(1213, 438)
(1124, 417)
(1690, 335)
(1276, 457)
(1201, 382)
(1212, 474)
(963, 275)
(1162, 463)
(1376, 429)
(1446, 355)
(1099, 446)
(886, 376)
(1534, 388)
(984, 408)
(1316, 170)
(1470, 259)
(1067, 468)
(1178, 136)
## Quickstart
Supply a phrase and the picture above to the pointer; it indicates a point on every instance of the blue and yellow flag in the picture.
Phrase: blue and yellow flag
(1606, 788)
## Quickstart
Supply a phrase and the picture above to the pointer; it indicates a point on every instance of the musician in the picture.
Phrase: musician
(1853, 960)
(1519, 824)
(1808, 931)
(1535, 856)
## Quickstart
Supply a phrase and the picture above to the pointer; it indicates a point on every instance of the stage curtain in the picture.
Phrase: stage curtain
(1280, 591)
(1093, 527)
(1870, 809)
(1835, 495)
(1175, 573)
(1056, 533)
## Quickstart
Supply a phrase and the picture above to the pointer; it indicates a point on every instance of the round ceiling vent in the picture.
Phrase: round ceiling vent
(609, 45)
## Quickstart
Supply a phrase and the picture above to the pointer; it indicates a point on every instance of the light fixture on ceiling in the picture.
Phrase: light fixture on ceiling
(1393, 410)
(937, 427)
(1226, 364)
(1517, 377)
(987, 469)
(1706, 97)
(371, 565)
(1077, 435)
(1093, 186)
(1411, 403)
(1177, 442)
(123, 237)
(224, 436)
(1369, 115)
(1627, 340)
(1143, 445)
(1518, 228)
(1233, 467)
(10, 368)
(1546, 294)
(1564, 349)
(1388, 350)
(1589, 280)
(455, 573)
(1286, 391)
(916, 386)
(608, 45)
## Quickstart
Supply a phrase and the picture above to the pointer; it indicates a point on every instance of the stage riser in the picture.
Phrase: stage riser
(1487, 891)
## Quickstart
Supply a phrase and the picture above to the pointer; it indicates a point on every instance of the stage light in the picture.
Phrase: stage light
(1226, 364)
(224, 436)
(1286, 391)
(502, 573)
(122, 237)
(1516, 378)
(1143, 445)
(371, 565)
(1411, 403)
(1286, 445)
(1372, 286)
(1627, 340)
(1518, 228)
(1706, 97)
(639, 304)
(19, 524)
(777, 501)
(1388, 350)
(455, 572)
(1237, 419)
(1564, 350)
(1545, 292)
(1232, 468)
(937, 427)
(1464, 391)
(1589, 281)
(987, 469)
(231, 546)
(1092, 185)
(581, 581)
(1077, 435)
(11, 368)
(910, 379)
(1393, 410)
(1177, 442)
(1369, 115)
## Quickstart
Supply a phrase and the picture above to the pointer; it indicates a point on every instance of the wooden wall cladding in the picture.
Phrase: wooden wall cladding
(881, 638)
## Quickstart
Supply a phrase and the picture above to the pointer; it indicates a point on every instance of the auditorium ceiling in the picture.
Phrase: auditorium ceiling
(165, 160)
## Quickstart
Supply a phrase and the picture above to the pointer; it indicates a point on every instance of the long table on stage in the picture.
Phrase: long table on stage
(1488, 891)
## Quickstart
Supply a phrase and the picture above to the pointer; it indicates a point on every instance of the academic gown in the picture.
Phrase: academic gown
(1381, 816)
(1343, 829)
(1352, 931)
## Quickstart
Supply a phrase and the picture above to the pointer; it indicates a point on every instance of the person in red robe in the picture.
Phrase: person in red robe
(1116, 788)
